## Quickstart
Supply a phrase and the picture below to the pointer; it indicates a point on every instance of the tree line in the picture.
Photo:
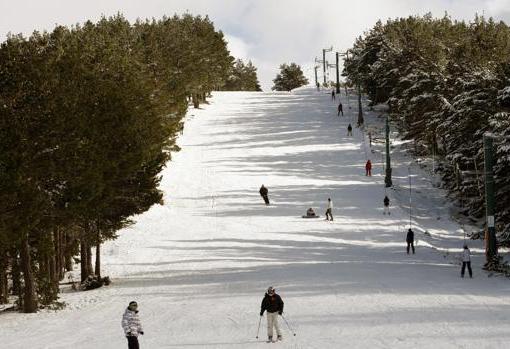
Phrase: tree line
(446, 83)
(88, 118)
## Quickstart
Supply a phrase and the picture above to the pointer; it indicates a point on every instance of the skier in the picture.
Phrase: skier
(318, 87)
(368, 168)
(263, 192)
(410, 240)
(274, 305)
(329, 214)
(333, 95)
(340, 109)
(466, 261)
(132, 325)
(349, 130)
(386, 201)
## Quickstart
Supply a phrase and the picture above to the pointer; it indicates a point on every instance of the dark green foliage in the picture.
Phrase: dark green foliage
(290, 77)
(243, 77)
(445, 84)
(88, 119)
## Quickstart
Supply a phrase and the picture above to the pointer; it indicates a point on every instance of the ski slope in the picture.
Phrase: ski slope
(199, 265)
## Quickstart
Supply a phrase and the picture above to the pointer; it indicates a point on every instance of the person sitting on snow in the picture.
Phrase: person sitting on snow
(310, 212)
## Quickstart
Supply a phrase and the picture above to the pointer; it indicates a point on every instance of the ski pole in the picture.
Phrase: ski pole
(290, 328)
(258, 328)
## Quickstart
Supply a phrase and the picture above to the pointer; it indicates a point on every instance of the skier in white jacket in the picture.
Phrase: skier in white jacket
(466, 261)
(329, 213)
(132, 325)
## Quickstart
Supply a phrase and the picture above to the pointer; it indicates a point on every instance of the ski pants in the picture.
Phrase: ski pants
(410, 244)
(386, 209)
(349, 133)
(464, 269)
(266, 199)
(133, 342)
(340, 111)
(329, 214)
(368, 172)
(272, 321)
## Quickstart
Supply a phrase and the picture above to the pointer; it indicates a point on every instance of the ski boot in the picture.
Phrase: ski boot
(270, 339)
(279, 338)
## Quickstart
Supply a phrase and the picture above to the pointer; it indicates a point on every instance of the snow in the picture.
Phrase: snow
(199, 265)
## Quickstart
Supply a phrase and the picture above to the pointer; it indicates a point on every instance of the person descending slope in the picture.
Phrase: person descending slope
(264, 193)
(386, 202)
(329, 213)
(340, 109)
(349, 130)
(368, 168)
(410, 240)
(132, 325)
(333, 95)
(466, 261)
(274, 305)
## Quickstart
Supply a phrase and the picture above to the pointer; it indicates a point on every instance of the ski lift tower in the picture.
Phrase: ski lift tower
(324, 50)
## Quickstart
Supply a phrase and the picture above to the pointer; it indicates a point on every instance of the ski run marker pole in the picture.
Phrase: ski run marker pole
(283, 317)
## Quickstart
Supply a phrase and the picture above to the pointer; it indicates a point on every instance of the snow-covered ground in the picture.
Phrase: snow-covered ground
(199, 265)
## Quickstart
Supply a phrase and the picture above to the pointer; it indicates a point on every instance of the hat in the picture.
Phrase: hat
(133, 304)
(270, 289)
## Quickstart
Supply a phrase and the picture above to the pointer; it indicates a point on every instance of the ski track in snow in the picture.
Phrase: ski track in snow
(199, 265)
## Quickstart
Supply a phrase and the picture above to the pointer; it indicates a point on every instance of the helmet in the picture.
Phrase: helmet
(270, 290)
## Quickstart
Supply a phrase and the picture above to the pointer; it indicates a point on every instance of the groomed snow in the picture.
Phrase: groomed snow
(199, 265)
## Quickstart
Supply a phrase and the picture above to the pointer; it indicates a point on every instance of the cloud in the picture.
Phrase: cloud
(269, 32)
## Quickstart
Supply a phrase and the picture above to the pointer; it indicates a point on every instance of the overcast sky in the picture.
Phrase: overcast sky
(269, 32)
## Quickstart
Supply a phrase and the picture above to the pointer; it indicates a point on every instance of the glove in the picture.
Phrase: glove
(141, 332)
(280, 312)
(261, 313)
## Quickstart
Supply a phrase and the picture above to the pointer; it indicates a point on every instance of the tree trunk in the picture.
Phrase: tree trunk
(89, 259)
(98, 259)
(68, 255)
(4, 296)
(84, 271)
(15, 273)
(29, 289)
(196, 102)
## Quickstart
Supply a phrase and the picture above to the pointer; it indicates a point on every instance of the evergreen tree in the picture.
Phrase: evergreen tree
(290, 77)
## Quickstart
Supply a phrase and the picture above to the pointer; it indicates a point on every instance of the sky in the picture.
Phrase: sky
(269, 32)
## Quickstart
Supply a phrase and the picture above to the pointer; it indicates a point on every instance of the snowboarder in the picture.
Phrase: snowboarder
(410, 240)
(329, 213)
(386, 202)
(132, 325)
(274, 305)
(466, 261)
(263, 192)
(368, 168)
(333, 95)
(340, 109)
(349, 130)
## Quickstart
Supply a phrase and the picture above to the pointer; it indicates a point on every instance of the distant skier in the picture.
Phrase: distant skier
(318, 87)
(264, 192)
(274, 305)
(340, 109)
(410, 240)
(466, 261)
(329, 213)
(132, 325)
(386, 201)
(349, 130)
(368, 168)
(333, 95)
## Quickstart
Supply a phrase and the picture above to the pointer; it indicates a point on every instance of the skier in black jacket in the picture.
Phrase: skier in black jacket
(274, 305)
(386, 202)
(263, 192)
(410, 240)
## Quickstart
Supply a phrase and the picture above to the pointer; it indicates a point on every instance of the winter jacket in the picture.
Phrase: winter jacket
(410, 236)
(349, 128)
(340, 107)
(386, 201)
(368, 166)
(271, 303)
(466, 255)
(131, 323)
(263, 191)
(330, 204)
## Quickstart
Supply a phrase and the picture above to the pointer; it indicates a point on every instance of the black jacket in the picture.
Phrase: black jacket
(410, 236)
(263, 191)
(386, 201)
(272, 304)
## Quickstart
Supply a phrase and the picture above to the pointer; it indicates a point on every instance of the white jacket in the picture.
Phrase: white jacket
(330, 204)
(466, 255)
(131, 323)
